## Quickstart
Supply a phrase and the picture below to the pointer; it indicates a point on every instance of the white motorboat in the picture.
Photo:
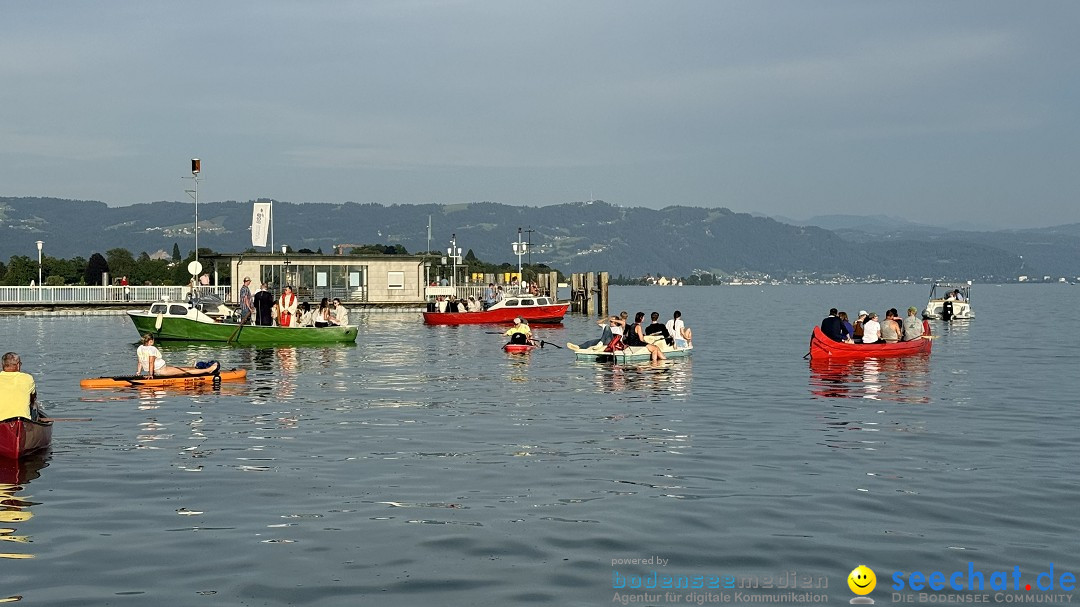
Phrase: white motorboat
(945, 305)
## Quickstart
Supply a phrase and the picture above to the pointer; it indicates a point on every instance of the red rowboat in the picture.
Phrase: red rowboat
(823, 347)
(536, 310)
(20, 436)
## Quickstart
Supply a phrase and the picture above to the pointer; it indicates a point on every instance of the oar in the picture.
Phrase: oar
(235, 334)
(548, 343)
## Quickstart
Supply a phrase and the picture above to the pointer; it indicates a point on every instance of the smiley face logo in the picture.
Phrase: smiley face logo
(862, 580)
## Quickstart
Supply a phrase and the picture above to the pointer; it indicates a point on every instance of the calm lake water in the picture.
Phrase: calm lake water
(424, 466)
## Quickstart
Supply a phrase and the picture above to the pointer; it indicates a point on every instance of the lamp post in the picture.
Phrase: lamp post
(454, 253)
(40, 243)
(285, 264)
(196, 168)
(520, 248)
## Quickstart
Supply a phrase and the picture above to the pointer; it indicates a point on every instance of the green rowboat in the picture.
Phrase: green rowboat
(178, 321)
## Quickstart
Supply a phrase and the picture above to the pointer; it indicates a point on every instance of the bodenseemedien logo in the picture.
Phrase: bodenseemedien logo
(862, 581)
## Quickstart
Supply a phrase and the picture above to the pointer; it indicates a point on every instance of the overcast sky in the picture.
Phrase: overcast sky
(933, 111)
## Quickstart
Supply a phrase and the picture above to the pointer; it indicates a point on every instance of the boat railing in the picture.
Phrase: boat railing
(464, 292)
(111, 295)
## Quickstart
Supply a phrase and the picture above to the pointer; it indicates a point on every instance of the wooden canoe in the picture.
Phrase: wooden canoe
(20, 436)
(823, 347)
(172, 381)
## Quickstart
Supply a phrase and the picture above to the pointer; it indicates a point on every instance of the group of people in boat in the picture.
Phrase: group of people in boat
(617, 334)
(492, 295)
(18, 391)
(869, 329)
(287, 310)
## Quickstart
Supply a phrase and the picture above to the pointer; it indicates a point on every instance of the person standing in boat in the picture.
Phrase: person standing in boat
(520, 333)
(247, 304)
(287, 307)
(264, 306)
(150, 360)
(339, 314)
(18, 391)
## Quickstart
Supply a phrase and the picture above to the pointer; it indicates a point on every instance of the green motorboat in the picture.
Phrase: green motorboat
(208, 319)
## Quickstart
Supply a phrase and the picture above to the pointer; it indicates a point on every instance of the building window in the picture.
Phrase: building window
(395, 280)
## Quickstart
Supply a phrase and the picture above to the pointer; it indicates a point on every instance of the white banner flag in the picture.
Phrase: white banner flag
(260, 224)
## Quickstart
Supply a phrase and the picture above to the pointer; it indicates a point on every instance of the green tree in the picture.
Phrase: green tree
(95, 267)
(20, 271)
(120, 262)
(175, 252)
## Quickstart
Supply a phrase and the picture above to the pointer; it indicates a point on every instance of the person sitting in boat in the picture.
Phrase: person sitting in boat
(151, 361)
(339, 314)
(679, 331)
(287, 307)
(857, 327)
(957, 295)
(913, 327)
(474, 306)
(634, 336)
(303, 315)
(890, 328)
(658, 328)
(520, 333)
(871, 329)
(605, 336)
(847, 325)
(321, 317)
(833, 327)
(18, 391)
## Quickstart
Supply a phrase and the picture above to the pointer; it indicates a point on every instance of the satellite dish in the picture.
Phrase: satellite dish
(194, 268)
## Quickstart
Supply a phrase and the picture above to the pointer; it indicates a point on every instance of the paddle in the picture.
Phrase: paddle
(548, 343)
(235, 334)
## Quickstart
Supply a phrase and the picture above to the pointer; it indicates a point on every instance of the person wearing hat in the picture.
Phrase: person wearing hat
(913, 327)
(871, 329)
(247, 303)
(520, 333)
(857, 327)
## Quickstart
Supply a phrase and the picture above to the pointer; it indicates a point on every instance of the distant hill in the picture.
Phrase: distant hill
(578, 236)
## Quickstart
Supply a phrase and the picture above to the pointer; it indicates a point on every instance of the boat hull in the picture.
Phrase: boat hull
(549, 314)
(176, 381)
(176, 328)
(20, 436)
(823, 347)
(518, 348)
(630, 353)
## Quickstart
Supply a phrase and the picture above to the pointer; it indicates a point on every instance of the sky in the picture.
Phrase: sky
(936, 112)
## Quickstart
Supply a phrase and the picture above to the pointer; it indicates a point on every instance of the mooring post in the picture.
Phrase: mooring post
(603, 299)
(590, 293)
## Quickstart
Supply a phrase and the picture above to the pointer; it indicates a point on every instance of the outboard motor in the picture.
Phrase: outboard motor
(946, 310)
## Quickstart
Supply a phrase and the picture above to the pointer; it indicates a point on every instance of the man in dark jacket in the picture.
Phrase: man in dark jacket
(264, 306)
(833, 327)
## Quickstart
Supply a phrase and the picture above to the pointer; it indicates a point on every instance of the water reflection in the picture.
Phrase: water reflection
(15, 475)
(662, 378)
(900, 379)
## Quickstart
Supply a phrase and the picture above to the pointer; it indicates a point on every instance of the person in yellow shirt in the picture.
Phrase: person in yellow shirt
(18, 392)
(520, 333)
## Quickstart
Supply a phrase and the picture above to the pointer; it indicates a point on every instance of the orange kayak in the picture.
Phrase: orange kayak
(172, 381)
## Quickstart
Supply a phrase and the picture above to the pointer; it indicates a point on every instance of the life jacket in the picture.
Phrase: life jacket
(615, 344)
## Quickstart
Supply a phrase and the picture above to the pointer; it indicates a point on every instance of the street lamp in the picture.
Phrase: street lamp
(39, 245)
(520, 248)
(454, 253)
(286, 263)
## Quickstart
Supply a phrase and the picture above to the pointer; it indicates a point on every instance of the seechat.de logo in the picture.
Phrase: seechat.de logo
(862, 581)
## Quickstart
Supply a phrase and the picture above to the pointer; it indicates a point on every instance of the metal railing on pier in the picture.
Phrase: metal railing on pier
(88, 295)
